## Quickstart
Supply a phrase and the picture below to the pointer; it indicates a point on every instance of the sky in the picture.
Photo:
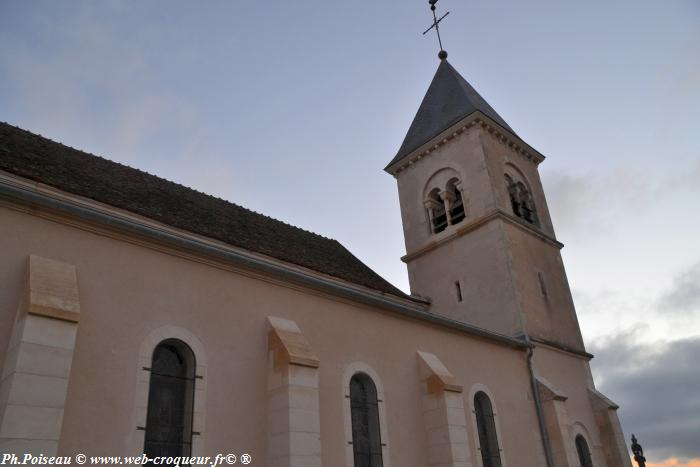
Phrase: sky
(293, 109)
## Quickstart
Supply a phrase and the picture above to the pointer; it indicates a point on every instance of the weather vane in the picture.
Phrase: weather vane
(442, 54)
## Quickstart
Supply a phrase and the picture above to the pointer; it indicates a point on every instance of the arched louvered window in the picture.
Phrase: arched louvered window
(436, 211)
(521, 201)
(486, 426)
(457, 212)
(170, 400)
(584, 454)
(364, 410)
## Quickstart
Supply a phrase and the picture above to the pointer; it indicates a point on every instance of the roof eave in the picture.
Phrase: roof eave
(24, 192)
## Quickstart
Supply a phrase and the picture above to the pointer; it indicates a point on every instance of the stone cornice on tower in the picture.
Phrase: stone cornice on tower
(478, 223)
(475, 120)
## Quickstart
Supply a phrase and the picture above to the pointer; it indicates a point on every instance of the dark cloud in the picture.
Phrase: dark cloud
(684, 296)
(658, 389)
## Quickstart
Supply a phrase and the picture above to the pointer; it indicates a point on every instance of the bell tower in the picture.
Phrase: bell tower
(479, 239)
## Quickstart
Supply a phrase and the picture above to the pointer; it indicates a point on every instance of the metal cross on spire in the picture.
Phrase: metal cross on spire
(436, 22)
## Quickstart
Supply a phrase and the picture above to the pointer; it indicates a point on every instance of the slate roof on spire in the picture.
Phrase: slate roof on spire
(449, 99)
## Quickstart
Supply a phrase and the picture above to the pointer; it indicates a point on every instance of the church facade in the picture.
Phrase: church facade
(140, 316)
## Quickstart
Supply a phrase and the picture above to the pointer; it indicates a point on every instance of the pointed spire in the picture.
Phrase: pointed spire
(449, 99)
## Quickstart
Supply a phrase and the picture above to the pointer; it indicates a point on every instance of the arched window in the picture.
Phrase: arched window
(521, 200)
(436, 211)
(486, 426)
(170, 400)
(364, 410)
(456, 202)
(584, 454)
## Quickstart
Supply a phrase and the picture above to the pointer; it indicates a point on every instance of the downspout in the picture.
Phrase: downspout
(538, 407)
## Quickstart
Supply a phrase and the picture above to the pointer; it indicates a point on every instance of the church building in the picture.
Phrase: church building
(141, 316)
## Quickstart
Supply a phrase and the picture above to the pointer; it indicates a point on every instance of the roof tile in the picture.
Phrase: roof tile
(37, 158)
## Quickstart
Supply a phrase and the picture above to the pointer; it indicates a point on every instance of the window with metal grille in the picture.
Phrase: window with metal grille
(584, 455)
(170, 400)
(364, 410)
(486, 426)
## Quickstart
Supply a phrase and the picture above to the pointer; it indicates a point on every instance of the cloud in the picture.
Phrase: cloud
(684, 296)
(672, 309)
(584, 202)
(648, 362)
(656, 385)
(97, 85)
(592, 202)
(674, 462)
(688, 178)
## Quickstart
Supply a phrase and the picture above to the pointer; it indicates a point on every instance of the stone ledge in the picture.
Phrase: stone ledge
(289, 345)
(548, 392)
(601, 401)
(436, 376)
(52, 289)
